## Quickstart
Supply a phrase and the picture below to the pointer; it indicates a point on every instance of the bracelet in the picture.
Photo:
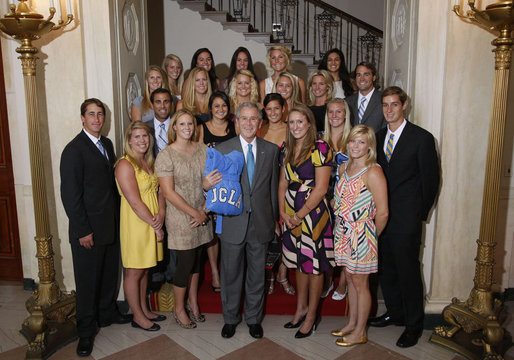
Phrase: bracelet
(294, 217)
(308, 208)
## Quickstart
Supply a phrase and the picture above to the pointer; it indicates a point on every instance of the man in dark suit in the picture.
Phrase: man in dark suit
(366, 105)
(91, 201)
(162, 103)
(250, 232)
(408, 156)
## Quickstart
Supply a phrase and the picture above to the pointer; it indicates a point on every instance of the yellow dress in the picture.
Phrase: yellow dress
(139, 248)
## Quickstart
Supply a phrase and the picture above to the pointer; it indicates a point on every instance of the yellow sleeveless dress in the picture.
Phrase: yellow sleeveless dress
(139, 248)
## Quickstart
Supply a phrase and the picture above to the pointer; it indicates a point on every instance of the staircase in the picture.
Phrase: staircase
(308, 27)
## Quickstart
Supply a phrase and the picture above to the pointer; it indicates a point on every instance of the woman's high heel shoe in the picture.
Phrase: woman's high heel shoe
(290, 325)
(301, 335)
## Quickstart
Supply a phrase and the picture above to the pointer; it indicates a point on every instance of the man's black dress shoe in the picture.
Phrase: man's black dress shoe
(409, 338)
(117, 318)
(154, 327)
(85, 346)
(228, 330)
(256, 330)
(385, 320)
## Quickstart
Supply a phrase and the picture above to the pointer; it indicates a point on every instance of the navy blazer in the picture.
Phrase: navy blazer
(412, 178)
(88, 190)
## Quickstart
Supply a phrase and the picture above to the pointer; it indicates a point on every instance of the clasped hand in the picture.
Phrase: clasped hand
(200, 218)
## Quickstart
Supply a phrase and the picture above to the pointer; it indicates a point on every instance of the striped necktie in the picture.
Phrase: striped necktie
(162, 138)
(389, 148)
(362, 109)
(102, 150)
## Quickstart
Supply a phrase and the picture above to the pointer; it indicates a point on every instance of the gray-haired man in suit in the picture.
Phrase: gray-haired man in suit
(366, 105)
(248, 233)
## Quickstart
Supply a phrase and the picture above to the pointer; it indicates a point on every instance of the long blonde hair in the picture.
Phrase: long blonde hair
(172, 135)
(149, 158)
(189, 100)
(175, 85)
(327, 136)
(308, 141)
(254, 91)
(295, 95)
(146, 104)
(330, 86)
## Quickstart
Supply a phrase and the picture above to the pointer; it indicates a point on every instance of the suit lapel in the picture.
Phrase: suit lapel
(95, 150)
(245, 184)
(373, 103)
(402, 142)
(259, 163)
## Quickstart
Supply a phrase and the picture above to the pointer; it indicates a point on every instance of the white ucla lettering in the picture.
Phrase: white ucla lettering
(215, 197)
(231, 200)
(238, 203)
(223, 195)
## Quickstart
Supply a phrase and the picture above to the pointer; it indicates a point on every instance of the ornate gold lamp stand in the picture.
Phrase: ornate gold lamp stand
(480, 312)
(51, 323)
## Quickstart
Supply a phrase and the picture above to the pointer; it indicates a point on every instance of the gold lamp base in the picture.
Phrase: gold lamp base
(49, 328)
(482, 336)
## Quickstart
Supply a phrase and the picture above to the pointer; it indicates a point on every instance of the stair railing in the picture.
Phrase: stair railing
(309, 27)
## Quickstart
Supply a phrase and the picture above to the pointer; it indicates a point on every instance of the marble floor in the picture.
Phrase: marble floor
(205, 342)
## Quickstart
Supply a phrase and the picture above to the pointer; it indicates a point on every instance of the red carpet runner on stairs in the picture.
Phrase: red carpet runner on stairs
(278, 303)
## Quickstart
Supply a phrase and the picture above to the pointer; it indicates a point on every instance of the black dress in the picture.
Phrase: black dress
(319, 115)
(212, 140)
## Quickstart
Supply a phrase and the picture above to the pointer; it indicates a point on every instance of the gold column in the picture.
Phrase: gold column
(478, 316)
(51, 323)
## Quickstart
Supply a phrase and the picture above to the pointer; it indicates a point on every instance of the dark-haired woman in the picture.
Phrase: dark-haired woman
(307, 239)
(334, 63)
(203, 58)
(213, 132)
(241, 60)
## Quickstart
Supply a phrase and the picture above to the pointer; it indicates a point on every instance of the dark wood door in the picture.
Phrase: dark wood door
(10, 252)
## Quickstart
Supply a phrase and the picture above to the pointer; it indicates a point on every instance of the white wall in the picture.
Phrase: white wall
(209, 34)
(370, 11)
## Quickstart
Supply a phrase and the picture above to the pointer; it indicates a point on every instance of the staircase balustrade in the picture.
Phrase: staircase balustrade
(308, 27)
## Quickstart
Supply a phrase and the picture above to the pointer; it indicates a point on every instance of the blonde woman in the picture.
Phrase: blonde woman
(361, 211)
(141, 218)
(278, 61)
(287, 86)
(173, 67)
(141, 109)
(337, 129)
(243, 88)
(321, 87)
(196, 94)
(179, 168)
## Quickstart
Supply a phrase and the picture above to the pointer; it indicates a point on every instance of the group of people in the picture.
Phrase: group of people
(343, 182)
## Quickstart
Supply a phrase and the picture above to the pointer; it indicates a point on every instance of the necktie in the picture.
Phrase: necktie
(389, 148)
(162, 138)
(361, 109)
(250, 164)
(102, 150)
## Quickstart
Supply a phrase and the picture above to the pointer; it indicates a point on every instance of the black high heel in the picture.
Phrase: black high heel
(290, 325)
(301, 335)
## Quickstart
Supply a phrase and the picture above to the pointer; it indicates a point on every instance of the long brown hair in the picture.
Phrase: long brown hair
(149, 158)
(308, 141)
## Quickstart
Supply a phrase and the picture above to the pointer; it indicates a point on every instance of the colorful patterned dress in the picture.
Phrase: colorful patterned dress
(355, 232)
(308, 247)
